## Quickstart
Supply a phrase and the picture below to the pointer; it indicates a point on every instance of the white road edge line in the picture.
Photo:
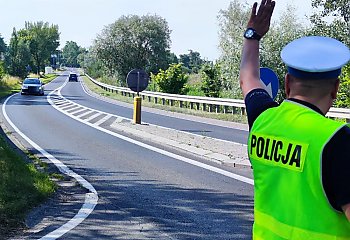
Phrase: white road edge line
(152, 148)
(91, 198)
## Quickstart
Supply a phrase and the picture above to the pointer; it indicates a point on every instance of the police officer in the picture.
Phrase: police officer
(300, 158)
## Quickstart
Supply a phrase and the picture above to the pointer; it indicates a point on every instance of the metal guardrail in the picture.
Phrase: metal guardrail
(217, 105)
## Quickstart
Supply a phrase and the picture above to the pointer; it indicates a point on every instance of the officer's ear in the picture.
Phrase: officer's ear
(335, 89)
(287, 82)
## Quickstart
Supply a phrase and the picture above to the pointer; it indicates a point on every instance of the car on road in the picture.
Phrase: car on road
(32, 86)
(73, 77)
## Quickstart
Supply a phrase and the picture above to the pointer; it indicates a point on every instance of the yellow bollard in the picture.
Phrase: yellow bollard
(137, 110)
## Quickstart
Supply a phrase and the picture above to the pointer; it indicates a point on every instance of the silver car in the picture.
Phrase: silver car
(32, 86)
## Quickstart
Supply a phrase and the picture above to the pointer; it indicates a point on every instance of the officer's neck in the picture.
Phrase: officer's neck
(323, 104)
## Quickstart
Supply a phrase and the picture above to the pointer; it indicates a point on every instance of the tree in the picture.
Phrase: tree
(338, 28)
(172, 58)
(192, 61)
(211, 82)
(18, 56)
(2, 52)
(71, 52)
(232, 24)
(337, 8)
(2, 45)
(171, 80)
(43, 40)
(134, 42)
(93, 66)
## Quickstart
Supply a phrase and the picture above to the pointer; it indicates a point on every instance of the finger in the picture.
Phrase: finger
(268, 9)
(261, 7)
(254, 10)
(273, 4)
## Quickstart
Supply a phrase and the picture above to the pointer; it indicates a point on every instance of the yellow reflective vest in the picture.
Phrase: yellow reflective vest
(285, 148)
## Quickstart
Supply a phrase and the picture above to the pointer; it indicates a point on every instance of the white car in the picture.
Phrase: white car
(32, 86)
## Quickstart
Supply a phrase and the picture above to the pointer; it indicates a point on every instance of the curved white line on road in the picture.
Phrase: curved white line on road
(152, 148)
(91, 198)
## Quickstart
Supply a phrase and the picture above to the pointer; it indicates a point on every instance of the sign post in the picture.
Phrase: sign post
(137, 81)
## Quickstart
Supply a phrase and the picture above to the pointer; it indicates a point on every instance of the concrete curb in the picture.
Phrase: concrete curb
(198, 145)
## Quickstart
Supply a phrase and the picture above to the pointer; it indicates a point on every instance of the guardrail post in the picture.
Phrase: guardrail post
(217, 108)
(171, 102)
(198, 106)
(210, 107)
(234, 110)
(163, 101)
(155, 100)
(204, 107)
(225, 109)
(149, 98)
(243, 110)
(191, 105)
(181, 104)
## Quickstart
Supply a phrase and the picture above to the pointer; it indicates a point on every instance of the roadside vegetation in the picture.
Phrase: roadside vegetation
(9, 85)
(221, 116)
(22, 187)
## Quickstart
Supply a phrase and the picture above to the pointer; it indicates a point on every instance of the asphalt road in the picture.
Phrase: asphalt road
(142, 194)
(75, 93)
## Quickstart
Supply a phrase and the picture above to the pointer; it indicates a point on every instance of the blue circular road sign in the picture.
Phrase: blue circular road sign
(137, 80)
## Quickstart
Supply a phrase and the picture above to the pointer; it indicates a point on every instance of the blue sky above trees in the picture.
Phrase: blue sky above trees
(193, 23)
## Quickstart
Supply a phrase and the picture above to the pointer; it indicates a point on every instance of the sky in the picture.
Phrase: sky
(193, 23)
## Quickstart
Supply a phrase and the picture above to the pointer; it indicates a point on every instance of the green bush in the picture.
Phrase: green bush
(211, 82)
(172, 80)
(343, 97)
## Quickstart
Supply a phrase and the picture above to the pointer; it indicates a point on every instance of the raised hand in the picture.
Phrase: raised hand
(260, 21)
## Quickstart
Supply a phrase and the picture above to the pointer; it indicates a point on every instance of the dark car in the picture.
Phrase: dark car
(73, 77)
(32, 86)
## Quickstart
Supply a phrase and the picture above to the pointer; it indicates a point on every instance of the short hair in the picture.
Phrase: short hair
(315, 87)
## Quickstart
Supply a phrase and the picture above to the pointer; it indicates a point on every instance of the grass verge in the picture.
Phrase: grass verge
(221, 116)
(22, 187)
(9, 84)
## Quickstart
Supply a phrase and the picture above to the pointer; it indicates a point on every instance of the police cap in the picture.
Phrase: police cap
(315, 57)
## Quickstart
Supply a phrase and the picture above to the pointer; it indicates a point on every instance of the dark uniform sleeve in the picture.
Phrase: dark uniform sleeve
(256, 102)
(336, 169)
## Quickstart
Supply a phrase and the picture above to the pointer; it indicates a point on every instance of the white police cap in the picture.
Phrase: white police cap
(315, 57)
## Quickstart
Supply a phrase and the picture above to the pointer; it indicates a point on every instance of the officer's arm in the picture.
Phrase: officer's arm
(346, 210)
(249, 76)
